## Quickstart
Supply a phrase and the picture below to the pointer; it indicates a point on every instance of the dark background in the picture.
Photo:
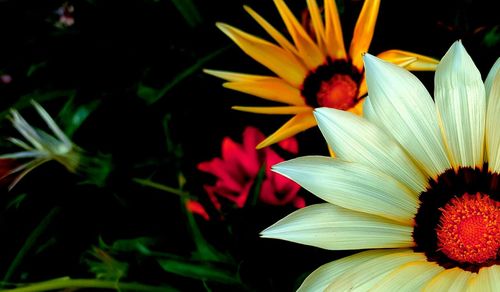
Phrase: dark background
(117, 47)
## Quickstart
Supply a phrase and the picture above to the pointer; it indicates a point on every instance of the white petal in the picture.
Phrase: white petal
(488, 279)
(461, 106)
(332, 227)
(355, 139)
(449, 280)
(492, 128)
(369, 113)
(352, 185)
(409, 277)
(320, 278)
(491, 76)
(367, 274)
(405, 108)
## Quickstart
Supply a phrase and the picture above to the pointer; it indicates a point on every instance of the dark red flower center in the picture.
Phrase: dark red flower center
(334, 84)
(458, 221)
(469, 229)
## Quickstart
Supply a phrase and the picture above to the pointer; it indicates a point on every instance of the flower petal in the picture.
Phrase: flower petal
(320, 278)
(332, 227)
(488, 83)
(421, 63)
(317, 21)
(297, 124)
(274, 110)
(488, 279)
(333, 35)
(461, 106)
(266, 87)
(310, 53)
(407, 112)
(492, 129)
(275, 34)
(363, 32)
(352, 185)
(367, 274)
(449, 280)
(277, 59)
(409, 277)
(355, 139)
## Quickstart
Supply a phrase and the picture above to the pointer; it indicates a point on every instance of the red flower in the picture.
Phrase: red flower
(238, 168)
(7, 165)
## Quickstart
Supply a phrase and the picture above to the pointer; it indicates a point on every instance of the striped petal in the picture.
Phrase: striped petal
(275, 34)
(310, 53)
(448, 280)
(420, 63)
(335, 228)
(461, 105)
(488, 279)
(406, 110)
(277, 59)
(266, 87)
(297, 124)
(317, 21)
(367, 274)
(333, 38)
(488, 83)
(352, 185)
(355, 139)
(409, 277)
(492, 129)
(273, 110)
(320, 278)
(363, 32)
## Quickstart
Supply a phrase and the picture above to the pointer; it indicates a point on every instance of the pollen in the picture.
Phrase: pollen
(469, 229)
(338, 92)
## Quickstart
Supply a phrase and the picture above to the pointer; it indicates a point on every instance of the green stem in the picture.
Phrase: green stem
(30, 241)
(87, 283)
(158, 186)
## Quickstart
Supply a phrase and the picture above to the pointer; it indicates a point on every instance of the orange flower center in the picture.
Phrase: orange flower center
(469, 229)
(334, 84)
(338, 92)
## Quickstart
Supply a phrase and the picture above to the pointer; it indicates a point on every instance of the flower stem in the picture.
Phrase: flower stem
(65, 282)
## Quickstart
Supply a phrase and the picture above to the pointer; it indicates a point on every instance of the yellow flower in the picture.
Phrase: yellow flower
(415, 182)
(314, 71)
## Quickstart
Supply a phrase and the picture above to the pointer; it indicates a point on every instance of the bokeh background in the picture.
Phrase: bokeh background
(132, 71)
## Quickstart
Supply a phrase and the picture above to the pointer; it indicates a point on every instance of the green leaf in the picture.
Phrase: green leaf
(73, 116)
(189, 11)
(151, 95)
(16, 202)
(25, 100)
(29, 243)
(199, 271)
(492, 37)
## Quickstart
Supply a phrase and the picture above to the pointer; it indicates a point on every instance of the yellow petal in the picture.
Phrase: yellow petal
(270, 88)
(363, 32)
(486, 280)
(273, 110)
(310, 53)
(423, 63)
(277, 59)
(233, 76)
(409, 277)
(317, 21)
(275, 34)
(358, 108)
(334, 39)
(448, 280)
(298, 123)
(363, 89)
